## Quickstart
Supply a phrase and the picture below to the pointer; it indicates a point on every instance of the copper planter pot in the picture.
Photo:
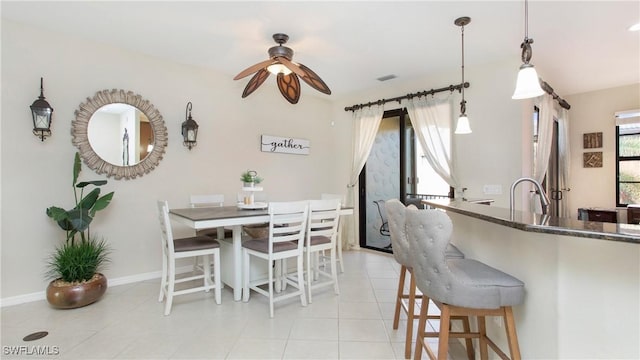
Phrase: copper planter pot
(78, 295)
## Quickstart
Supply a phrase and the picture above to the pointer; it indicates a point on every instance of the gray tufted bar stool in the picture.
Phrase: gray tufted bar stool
(396, 214)
(458, 286)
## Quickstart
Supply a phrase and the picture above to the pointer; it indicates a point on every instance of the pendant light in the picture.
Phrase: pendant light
(463, 127)
(528, 84)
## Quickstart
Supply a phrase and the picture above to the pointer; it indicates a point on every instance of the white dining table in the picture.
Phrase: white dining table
(228, 216)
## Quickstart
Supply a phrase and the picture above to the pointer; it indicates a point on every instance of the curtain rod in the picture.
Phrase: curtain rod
(451, 88)
(549, 90)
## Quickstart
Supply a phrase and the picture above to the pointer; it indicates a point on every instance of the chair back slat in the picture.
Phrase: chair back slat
(210, 200)
(288, 222)
(324, 216)
(165, 227)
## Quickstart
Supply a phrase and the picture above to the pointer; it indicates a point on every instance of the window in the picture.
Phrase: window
(627, 160)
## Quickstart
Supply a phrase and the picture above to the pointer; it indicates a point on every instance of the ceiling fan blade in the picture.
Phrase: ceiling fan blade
(251, 69)
(307, 75)
(289, 86)
(255, 82)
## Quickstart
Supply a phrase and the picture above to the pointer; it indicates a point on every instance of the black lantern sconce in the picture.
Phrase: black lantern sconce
(189, 129)
(41, 112)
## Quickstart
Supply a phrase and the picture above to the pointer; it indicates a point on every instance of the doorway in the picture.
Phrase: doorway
(396, 168)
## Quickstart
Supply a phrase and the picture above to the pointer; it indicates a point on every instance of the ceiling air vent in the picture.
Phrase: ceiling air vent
(386, 77)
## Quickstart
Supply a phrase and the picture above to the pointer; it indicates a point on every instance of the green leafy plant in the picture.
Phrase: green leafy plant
(250, 176)
(80, 257)
(78, 262)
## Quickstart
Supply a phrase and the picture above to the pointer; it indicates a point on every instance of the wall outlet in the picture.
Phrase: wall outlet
(492, 189)
(498, 321)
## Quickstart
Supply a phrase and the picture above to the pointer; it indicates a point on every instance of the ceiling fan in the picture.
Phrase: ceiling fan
(287, 72)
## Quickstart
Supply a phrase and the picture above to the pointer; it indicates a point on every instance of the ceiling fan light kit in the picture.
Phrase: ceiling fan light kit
(287, 72)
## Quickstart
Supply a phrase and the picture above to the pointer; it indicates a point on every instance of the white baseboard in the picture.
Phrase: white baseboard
(41, 295)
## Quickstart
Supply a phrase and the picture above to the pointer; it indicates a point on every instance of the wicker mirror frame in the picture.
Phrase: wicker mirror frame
(80, 138)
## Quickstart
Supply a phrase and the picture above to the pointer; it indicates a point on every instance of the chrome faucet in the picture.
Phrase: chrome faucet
(544, 200)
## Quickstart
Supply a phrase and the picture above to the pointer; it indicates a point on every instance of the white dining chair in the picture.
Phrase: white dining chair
(322, 231)
(326, 196)
(287, 226)
(173, 249)
(209, 200)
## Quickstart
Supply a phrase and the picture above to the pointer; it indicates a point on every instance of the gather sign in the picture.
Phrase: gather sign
(287, 145)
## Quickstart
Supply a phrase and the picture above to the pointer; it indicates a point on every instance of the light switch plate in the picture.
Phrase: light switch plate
(492, 189)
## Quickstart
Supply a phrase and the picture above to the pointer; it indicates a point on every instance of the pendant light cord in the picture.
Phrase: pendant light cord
(463, 105)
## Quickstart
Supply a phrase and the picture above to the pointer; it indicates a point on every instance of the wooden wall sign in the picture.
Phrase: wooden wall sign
(279, 144)
(592, 140)
(592, 159)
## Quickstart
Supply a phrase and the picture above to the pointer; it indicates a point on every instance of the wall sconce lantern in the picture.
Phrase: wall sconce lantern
(189, 129)
(41, 112)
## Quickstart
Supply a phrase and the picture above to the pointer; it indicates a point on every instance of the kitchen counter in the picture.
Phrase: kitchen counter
(531, 222)
(571, 269)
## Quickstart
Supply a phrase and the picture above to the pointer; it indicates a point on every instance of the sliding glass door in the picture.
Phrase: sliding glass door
(396, 168)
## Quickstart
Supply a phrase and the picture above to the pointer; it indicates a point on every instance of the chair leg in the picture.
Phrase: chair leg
(303, 296)
(512, 336)
(163, 281)
(469, 343)
(334, 272)
(443, 338)
(271, 287)
(170, 288)
(218, 281)
(482, 329)
(396, 316)
(246, 262)
(422, 323)
(339, 246)
(206, 267)
(410, 317)
(309, 267)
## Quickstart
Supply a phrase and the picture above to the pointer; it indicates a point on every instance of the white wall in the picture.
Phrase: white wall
(36, 175)
(491, 155)
(594, 112)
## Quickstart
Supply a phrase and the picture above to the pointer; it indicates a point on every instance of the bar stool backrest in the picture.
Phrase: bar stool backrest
(397, 229)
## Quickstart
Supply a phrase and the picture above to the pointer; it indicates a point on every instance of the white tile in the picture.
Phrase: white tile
(315, 329)
(366, 350)
(359, 310)
(311, 349)
(258, 349)
(362, 330)
(128, 322)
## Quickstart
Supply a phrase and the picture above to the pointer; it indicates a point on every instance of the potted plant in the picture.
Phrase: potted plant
(75, 265)
(250, 178)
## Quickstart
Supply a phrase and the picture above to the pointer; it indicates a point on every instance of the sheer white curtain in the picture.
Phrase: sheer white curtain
(564, 157)
(542, 151)
(545, 137)
(432, 119)
(366, 122)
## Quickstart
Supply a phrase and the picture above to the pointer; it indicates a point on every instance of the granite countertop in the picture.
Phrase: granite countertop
(527, 221)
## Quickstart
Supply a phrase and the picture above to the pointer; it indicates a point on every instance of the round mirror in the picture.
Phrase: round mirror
(119, 134)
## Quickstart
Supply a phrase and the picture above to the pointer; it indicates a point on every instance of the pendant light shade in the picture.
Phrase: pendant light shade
(528, 83)
(463, 126)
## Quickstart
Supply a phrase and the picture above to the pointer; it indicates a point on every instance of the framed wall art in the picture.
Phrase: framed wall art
(592, 159)
(592, 140)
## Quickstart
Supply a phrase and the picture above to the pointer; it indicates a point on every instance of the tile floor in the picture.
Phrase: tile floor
(127, 323)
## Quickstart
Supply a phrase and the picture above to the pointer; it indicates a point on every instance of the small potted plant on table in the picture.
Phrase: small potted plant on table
(75, 265)
(250, 178)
